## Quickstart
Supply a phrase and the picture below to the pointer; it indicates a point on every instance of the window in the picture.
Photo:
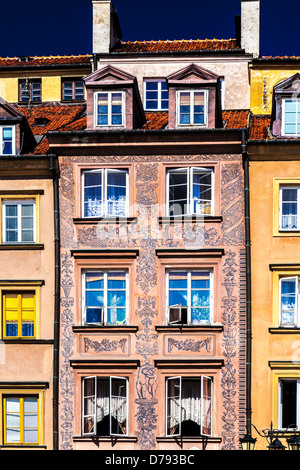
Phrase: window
(30, 90)
(289, 305)
(189, 191)
(18, 221)
(19, 314)
(110, 109)
(289, 208)
(105, 193)
(21, 419)
(105, 297)
(192, 108)
(7, 140)
(72, 89)
(156, 95)
(189, 297)
(189, 406)
(105, 406)
(289, 394)
(291, 117)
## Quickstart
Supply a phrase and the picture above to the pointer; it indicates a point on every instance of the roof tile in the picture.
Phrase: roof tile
(177, 45)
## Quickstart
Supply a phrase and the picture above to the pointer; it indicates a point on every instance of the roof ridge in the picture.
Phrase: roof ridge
(175, 40)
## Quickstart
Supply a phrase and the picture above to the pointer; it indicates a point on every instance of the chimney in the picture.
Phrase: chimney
(106, 26)
(250, 26)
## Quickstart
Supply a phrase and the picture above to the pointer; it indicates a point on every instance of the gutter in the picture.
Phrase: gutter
(248, 283)
(56, 302)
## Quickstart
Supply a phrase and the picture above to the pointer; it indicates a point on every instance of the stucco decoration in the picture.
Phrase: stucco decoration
(67, 350)
(105, 345)
(229, 343)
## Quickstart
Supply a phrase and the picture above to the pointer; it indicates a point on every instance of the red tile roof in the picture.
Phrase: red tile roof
(177, 45)
(45, 61)
(236, 119)
(259, 125)
(56, 116)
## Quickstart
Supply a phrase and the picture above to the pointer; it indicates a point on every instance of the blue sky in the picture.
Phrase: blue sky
(65, 26)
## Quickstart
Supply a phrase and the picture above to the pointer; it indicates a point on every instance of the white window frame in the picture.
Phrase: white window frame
(192, 93)
(110, 379)
(296, 314)
(19, 204)
(280, 405)
(281, 188)
(189, 291)
(13, 128)
(283, 116)
(109, 93)
(104, 201)
(181, 378)
(159, 81)
(105, 290)
(189, 205)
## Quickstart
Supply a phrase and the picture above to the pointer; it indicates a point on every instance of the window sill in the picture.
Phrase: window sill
(284, 330)
(27, 340)
(21, 246)
(22, 446)
(104, 220)
(106, 328)
(112, 439)
(190, 219)
(194, 439)
(189, 328)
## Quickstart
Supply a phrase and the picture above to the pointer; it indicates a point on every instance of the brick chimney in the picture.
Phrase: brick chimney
(106, 26)
(250, 26)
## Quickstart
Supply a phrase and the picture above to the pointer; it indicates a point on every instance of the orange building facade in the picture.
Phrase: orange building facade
(274, 178)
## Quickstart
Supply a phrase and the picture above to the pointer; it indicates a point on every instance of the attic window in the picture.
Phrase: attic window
(41, 121)
(291, 117)
(110, 109)
(192, 108)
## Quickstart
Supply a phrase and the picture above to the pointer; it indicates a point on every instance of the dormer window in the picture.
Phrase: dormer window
(291, 117)
(192, 108)
(110, 109)
(7, 140)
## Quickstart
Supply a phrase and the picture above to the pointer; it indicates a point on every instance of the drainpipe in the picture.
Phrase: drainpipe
(248, 282)
(56, 302)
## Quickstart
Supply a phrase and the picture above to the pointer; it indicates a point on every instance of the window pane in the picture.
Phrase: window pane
(67, 90)
(89, 406)
(178, 294)
(199, 108)
(178, 192)
(289, 402)
(207, 406)
(102, 109)
(79, 90)
(118, 406)
(202, 192)
(7, 140)
(288, 300)
(173, 406)
(93, 194)
(289, 204)
(116, 193)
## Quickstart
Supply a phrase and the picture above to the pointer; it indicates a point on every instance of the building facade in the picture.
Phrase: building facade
(273, 150)
(153, 248)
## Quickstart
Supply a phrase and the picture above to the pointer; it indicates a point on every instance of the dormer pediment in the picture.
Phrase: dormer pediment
(7, 111)
(192, 74)
(108, 76)
(289, 85)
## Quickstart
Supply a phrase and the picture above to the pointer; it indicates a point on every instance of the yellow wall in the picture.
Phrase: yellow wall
(51, 88)
(262, 83)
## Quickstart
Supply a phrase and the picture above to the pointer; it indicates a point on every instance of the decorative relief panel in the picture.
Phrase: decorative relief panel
(105, 346)
(181, 345)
